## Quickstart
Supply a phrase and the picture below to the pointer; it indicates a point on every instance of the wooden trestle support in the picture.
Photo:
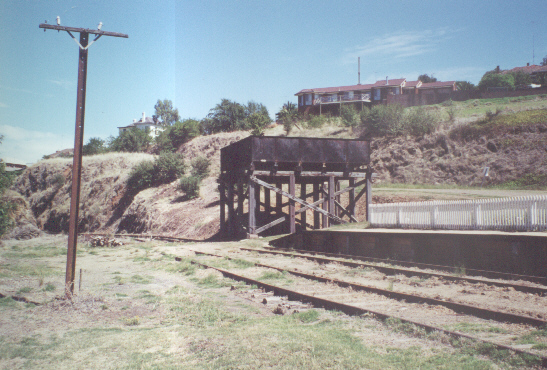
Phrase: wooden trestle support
(242, 206)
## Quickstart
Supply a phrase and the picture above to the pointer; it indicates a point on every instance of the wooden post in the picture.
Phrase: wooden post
(292, 218)
(231, 215)
(325, 220)
(369, 193)
(316, 215)
(222, 191)
(252, 209)
(338, 197)
(331, 198)
(279, 207)
(352, 198)
(303, 197)
(240, 199)
(267, 205)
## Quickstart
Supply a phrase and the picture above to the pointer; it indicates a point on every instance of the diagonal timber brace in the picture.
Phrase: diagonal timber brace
(297, 200)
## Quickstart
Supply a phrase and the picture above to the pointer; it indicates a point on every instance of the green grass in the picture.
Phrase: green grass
(466, 327)
(138, 279)
(39, 251)
(498, 125)
(24, 290)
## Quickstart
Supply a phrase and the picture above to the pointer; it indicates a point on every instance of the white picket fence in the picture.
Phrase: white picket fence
(509, 214)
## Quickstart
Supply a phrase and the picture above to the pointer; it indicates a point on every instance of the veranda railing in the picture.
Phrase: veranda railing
(510, 214)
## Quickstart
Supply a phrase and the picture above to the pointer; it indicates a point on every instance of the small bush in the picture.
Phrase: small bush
(190, 185)
(200, 167)
(168, 167)
(350, 116)
(58, 181)
(316, 121)
(419, 122)
(384, 119)
(141, 176)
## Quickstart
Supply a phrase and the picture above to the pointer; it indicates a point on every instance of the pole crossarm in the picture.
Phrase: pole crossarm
(47, 26)
(298, 200)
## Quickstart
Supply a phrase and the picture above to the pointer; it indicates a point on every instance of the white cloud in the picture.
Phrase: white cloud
(397, 45)
(27, 146)
(65, 84)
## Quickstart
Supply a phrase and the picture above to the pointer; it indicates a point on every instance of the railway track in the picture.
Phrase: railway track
(499, 328)
(471, 272)
(345, 300)
(397, 270)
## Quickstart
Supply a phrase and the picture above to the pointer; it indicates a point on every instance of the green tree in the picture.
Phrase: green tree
(465, 86)
(258, 122)
(257, 117)
(166, 114)
(95, 145)
(131, 140)
(182, 132)
(544, 61)
(226, 116)
(287, 115)
(425, 78)
(521, 78)
(493, 79)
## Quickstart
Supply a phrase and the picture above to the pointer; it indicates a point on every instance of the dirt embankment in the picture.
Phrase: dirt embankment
(107, 206)
(439, 159)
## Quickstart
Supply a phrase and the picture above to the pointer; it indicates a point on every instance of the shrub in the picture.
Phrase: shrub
(132, 140)
(385, 119)
(182, 132)
(168, 167)
(95, 145)
(190, 185)
(258, 122)
(349, 115)
(141, 176)
(200, 167)
(316, 121)
(418, 121)
(496, 80)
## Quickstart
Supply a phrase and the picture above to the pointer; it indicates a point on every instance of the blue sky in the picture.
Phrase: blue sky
(197, 52)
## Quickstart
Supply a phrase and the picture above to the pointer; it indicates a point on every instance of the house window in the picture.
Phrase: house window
(377, 94)
(307, 99)
(299, 100)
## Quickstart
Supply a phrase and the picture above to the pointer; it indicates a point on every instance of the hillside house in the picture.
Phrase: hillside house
(143, 124)
(331, 99)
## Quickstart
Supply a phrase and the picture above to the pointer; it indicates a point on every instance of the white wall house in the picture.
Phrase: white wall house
(143, 123)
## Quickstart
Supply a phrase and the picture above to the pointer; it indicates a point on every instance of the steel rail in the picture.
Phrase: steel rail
(407, 272)
(358, 311)
(463, 308)
(472, 272)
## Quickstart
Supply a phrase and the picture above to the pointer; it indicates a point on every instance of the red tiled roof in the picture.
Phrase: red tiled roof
(323, 90)
(413, 84)
(395, 82)
(526, 69)
(433, 85)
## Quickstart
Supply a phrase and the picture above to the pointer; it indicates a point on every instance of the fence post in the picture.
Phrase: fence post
(477, 216)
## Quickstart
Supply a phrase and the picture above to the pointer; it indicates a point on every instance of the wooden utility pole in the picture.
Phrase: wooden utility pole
(84, 44)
